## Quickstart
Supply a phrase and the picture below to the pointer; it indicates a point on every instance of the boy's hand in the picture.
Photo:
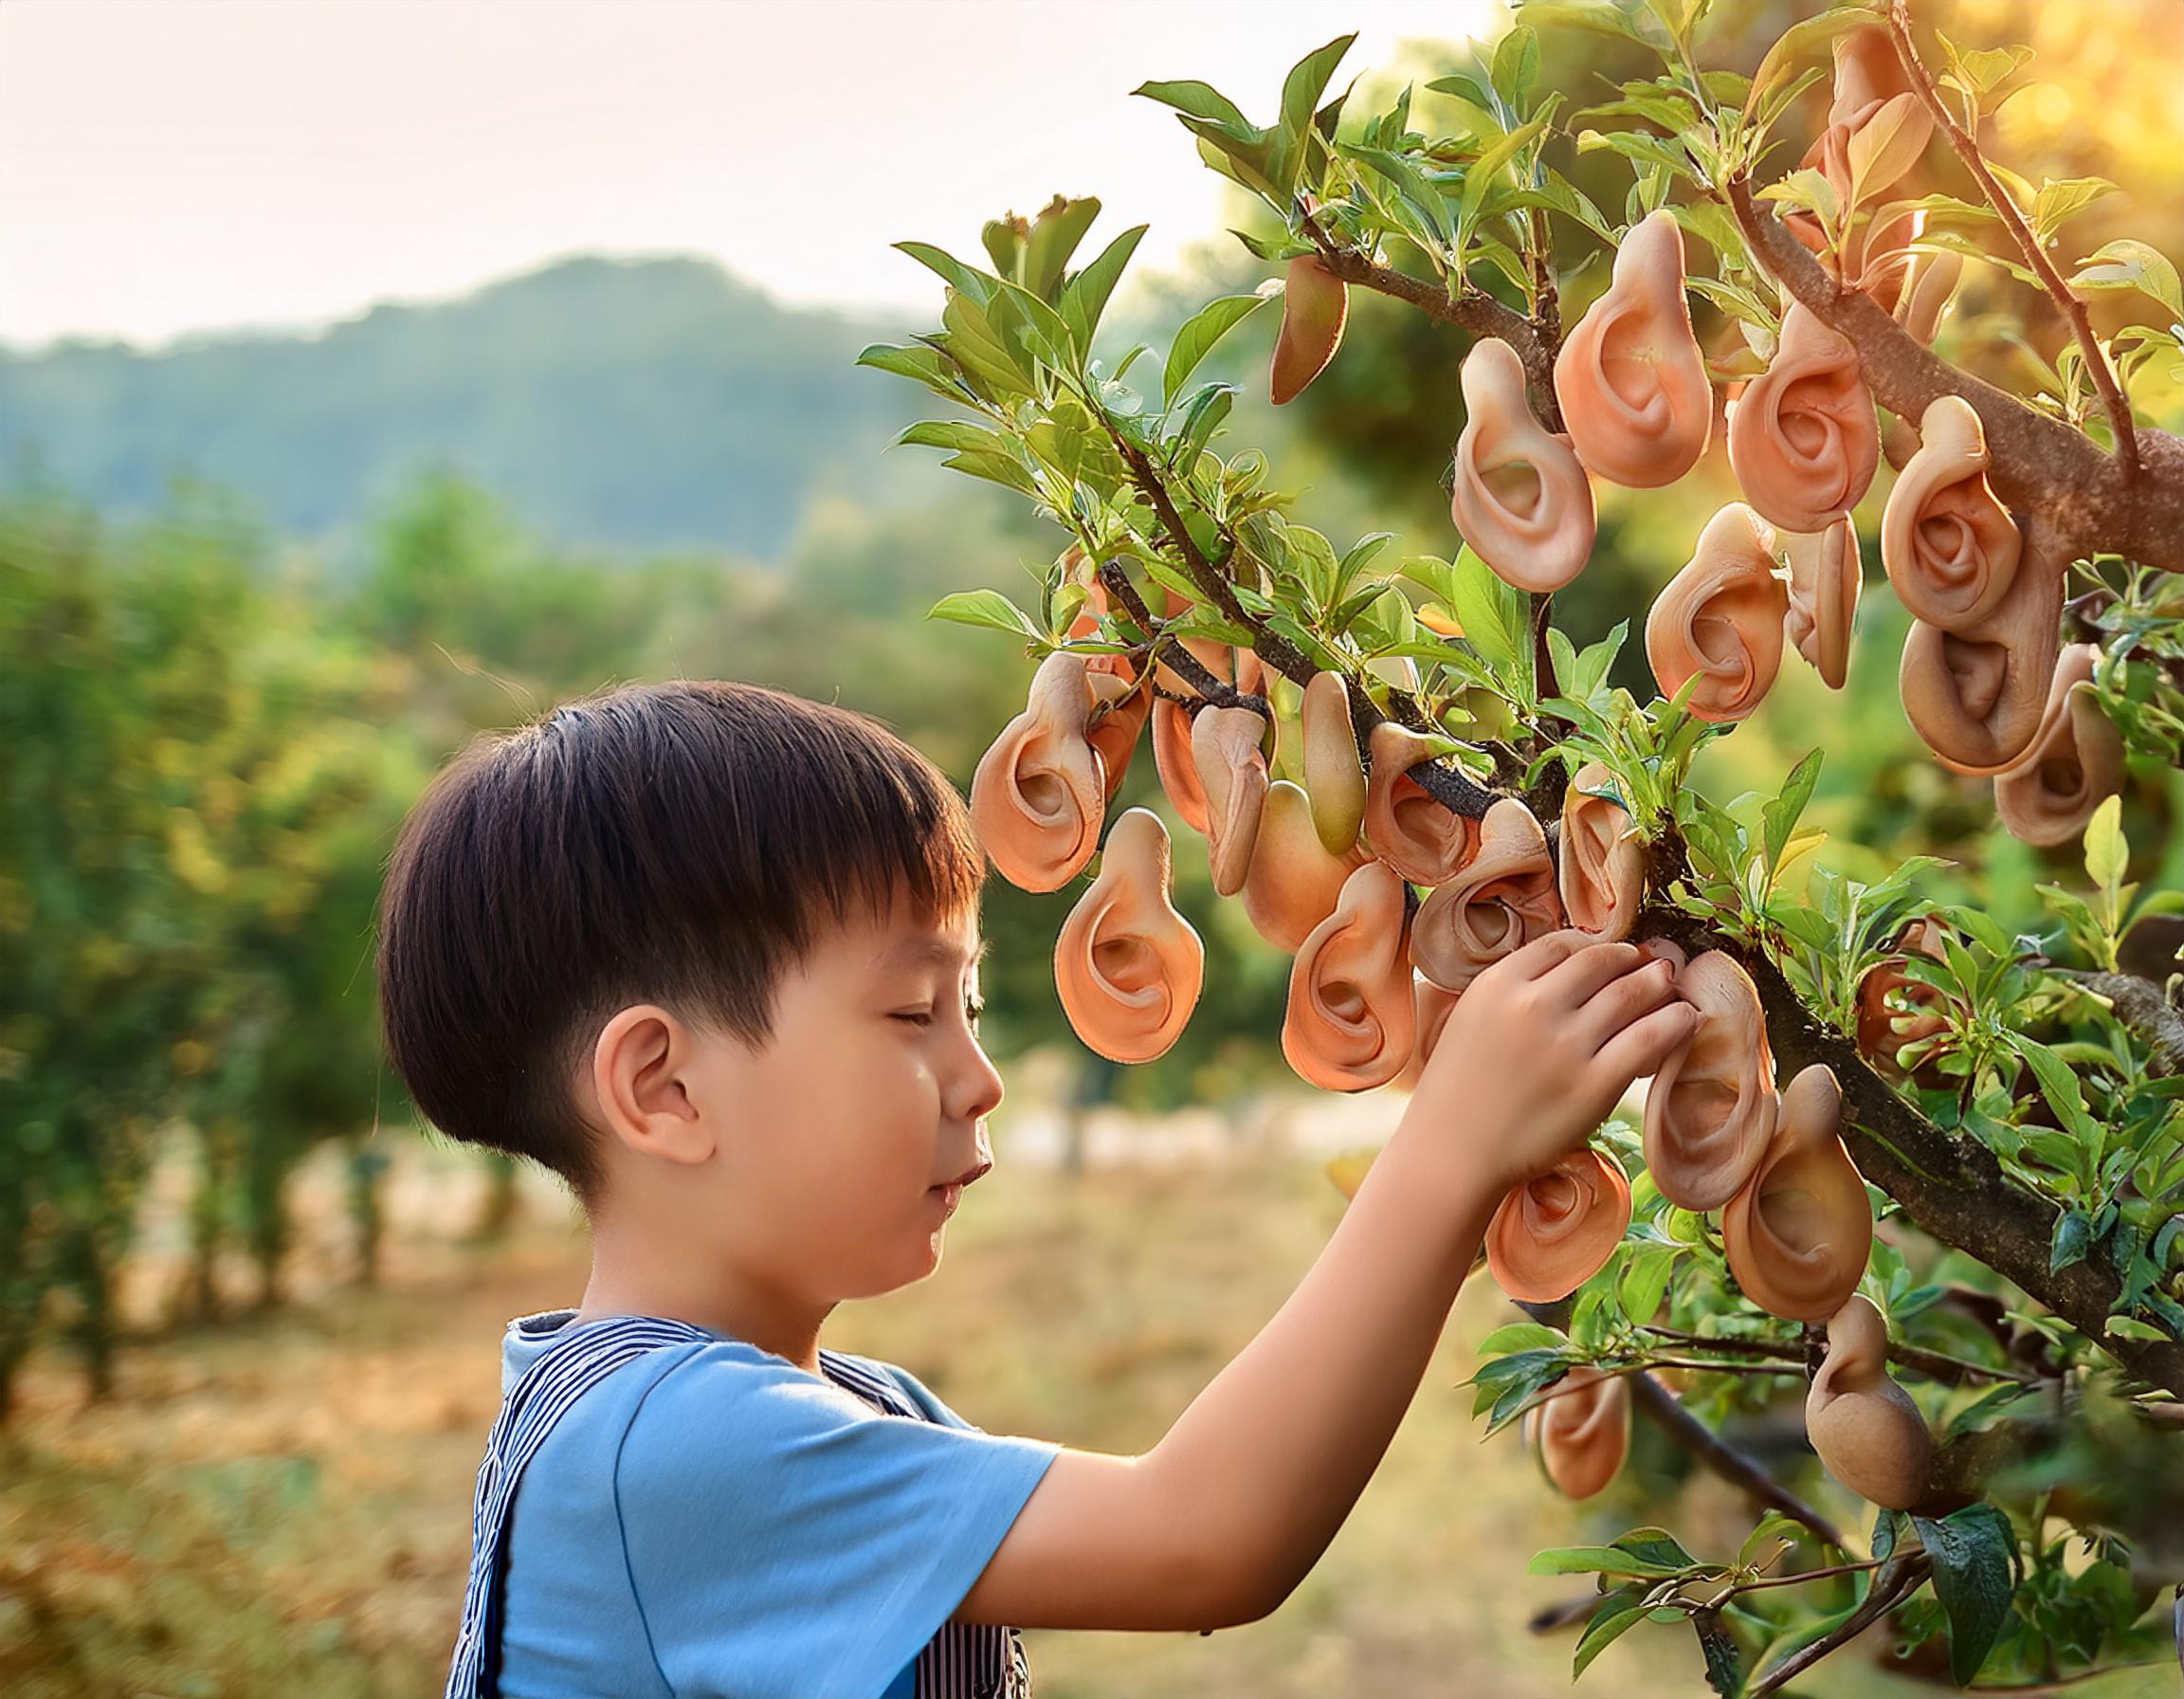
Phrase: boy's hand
(1541, 1046)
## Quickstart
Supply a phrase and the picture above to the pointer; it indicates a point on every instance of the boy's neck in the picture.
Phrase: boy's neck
(634, 1281)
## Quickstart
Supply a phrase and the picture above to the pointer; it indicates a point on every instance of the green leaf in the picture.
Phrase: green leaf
(951, 433)
(2129, 263)
(919, 362)
(1084, 299)
(1301, 92)
(1055, 233)
(1203, 102)
(1495, 617)
(1605, 1560)
(1644, 1280)
(1973, 1552)
(1521, 1335)
(1200, 332)
(1516, 67)
(1480, 175)
(984, 608)
(2131, 1327)
(2072, 1239)
(1617, 1613)
(965, 280)
(2059, 1086)
(2107, 852)
(1778, 819)
(2060, 201)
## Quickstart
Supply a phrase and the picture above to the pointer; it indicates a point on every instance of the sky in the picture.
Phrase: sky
(174, 166)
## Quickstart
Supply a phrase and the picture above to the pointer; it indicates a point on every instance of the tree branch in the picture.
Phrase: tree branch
(1694, 1436)
(2139, 1006)
(2072, 309)
(1893, 1582)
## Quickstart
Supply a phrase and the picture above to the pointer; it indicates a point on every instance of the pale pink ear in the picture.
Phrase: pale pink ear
(1602, 877)
(1929, 282)
(1883, 1031)
(1867, 73)
(1630, 379)
(1976, 696)
(1582, 1428)
(1040, 791)
(1552, 1234)
(1176, 765)
(1333, 776)
(1799, 1232)
(1950, 546)
(1824, 577)
(1407, 827)
(1352, 1019)
(1126, 965)
(1224, 746)
(1293, 884)
(1721, 615)
(1500, 900)
(1315, 306)
(1121, 709)
(1711, 1106)
(1803, 440)
(1522, 498)
(1433, 1004)
(2076, 759)
(1865, 1428)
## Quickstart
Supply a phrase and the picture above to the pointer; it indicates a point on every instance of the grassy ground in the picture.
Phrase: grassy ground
(283, 1507)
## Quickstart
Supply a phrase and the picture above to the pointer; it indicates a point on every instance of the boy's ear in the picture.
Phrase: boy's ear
(639, 1068)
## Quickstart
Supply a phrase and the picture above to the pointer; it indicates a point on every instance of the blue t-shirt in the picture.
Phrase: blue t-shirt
(711, 1521)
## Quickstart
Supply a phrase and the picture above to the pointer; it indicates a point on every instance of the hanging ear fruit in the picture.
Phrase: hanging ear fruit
(1352, 1019)
(1800, 1230)
(1711, 1106)
(1434, 1005)
(1039, 791)
(1128, 967)
(1976, 696)
(1582, 1430)
(1865, 1428)
(1803, 440)
(1883, 1031)
(1224, 746)
(2075, 763)
(1407, 827)
(1121, 707)
(1950, 546)
(1502, 897)
(1929, 282)
(1293, 884)
(1630, 379)
(1552, 1234)
(1825, 575)
(1522, 498)
(1315, 306)
(1602, 878)
(1334, 776)
(1176, 765)
(1721, 615)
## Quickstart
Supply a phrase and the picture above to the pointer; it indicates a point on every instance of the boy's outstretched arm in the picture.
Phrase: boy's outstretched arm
(1218, 1521)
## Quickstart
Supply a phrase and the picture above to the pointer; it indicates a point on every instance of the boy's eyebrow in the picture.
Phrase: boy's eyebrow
(917, 951)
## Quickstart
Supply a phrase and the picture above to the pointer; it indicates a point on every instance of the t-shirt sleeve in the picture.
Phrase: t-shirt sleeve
(785, 1538)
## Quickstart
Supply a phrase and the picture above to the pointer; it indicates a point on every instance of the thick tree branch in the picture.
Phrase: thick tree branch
(2139, 1006)
(2040, 465)
(2072, 309)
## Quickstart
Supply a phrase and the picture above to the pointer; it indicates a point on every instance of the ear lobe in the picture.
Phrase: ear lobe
(1521, 498)
(1334, 776)
(2075, 762)
(1582, 1430)
(1500, 900)
(1868, 1432)
(1721, 615)
(1127, 967)
(1630, 379)
(1803, 440)
(1293, 884)
(1825, 578)
(1224, 747)
(1352, 1020)
(1552, 1234)
(1711, 1106)
(1406, 826)
(1800, 1230)
(1602, 877)
(1038, 793)
(1976, 696)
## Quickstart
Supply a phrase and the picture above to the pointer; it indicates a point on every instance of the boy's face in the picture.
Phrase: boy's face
(816, 1168)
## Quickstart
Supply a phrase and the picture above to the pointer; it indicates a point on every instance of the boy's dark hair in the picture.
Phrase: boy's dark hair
(679, 843)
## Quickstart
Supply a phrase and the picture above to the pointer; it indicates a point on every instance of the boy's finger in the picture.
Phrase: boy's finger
(1642, 1046)
(1588, 967)
(1534, 959)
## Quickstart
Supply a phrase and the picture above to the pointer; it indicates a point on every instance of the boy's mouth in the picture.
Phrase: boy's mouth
(948, 1196)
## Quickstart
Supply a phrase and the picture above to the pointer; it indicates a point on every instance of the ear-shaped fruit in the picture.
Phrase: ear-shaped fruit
(1121, 707)
(1293, 884)
(1314, 305)
(1522, 498)
(1352, 1019)
(1800, 1230)
(1407, 827)
(1630, 379)
(1582, 1428)
(1865, 1428)
(2076, 759)
(1803, 440)
(1867, 74)
(1824, 577)
(1225, 745)
(1127, 966)
(1950, 546)
(1711, 1106)
(1721, 615)
(1552, 1234)
(1334, 776)
(1976, 696)
(1882, 1031)
(1502, 897)
(1929, 282)
(1176, 765)
(1602, 878)
(1039, 791)
(1434, 1005)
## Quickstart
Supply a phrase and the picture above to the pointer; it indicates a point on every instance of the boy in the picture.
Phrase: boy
(709, 951)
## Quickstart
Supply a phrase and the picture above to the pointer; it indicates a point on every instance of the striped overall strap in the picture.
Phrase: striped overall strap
(542, 1395)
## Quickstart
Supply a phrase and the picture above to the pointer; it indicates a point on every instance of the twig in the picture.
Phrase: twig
(1187, 665)
(1895, 1581)
(1951, 1371)
(2142, 1006)
(1694, 1436)
(2072, 308)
